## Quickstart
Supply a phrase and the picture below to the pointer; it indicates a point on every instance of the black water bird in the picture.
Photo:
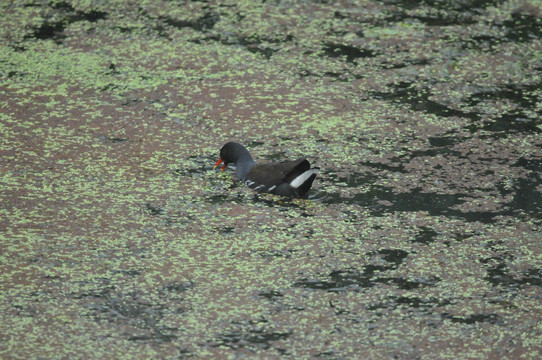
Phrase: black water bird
(289, 178)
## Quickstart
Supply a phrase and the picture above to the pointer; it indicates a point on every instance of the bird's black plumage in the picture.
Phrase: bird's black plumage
(289, 178)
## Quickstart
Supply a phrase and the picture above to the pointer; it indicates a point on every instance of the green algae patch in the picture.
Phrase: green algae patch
(420, 237)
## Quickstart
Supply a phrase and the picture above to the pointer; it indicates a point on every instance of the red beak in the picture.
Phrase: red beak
(218, 163)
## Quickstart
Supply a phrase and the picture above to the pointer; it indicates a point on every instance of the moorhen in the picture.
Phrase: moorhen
(289, 178)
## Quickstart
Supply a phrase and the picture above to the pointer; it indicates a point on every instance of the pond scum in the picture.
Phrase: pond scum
(420, 238)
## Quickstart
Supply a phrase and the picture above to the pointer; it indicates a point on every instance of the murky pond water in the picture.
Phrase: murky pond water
(421, 238)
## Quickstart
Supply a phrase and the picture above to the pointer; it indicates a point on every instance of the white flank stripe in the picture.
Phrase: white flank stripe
(249, 183)
(272, 188)
(298, 181)
(258, 187)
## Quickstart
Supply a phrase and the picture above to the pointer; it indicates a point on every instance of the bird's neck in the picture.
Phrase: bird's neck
(242, 167)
